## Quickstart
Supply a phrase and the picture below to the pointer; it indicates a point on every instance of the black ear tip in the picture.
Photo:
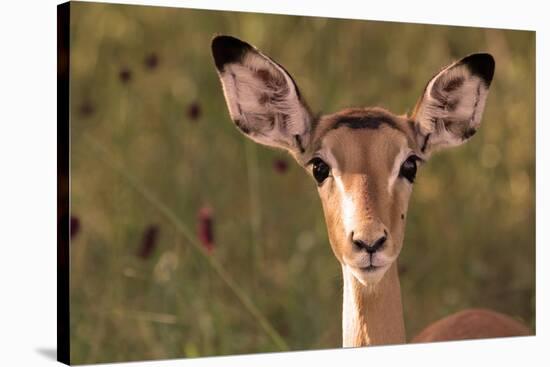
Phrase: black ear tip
(482, 65)
(227, 49)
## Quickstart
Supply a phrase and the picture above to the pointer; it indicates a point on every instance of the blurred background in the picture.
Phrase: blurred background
(188, 240)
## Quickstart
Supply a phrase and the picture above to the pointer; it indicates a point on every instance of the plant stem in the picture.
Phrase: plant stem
(184, 230)
(255, 205)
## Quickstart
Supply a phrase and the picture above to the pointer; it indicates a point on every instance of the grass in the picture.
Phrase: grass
(152, 145)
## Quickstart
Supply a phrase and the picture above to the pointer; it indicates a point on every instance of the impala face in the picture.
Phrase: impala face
(363, 160)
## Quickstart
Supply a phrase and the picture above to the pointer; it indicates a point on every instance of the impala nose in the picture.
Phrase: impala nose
(370, 247)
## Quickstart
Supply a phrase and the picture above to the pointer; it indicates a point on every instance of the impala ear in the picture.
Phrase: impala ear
(262, 98)
(449, 112)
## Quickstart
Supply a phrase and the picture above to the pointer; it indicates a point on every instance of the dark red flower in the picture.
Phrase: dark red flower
(86, 109)
(194, 111)
(148, 242)
(125, 75)
(280, 165)
(74, 226)
(205, 230)
(151, 61)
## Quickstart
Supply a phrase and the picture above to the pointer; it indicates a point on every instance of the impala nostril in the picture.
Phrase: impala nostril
(377, 245)
(360, 245)
(370, 247)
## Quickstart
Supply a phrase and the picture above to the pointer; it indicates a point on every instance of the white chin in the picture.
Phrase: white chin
(369, 276)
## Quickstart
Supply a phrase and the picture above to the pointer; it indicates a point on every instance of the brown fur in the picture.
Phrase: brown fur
(472, 324)
(359, 156)
(364, 198)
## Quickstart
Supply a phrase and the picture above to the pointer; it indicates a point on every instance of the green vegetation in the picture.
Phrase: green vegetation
(155, 158)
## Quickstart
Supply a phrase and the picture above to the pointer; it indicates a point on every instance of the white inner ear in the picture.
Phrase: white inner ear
(465, 105)
(287, 102)
(244, 90)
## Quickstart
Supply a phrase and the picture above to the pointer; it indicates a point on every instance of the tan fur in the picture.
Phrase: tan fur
(372, 315)
(355, 153)
(363, 197)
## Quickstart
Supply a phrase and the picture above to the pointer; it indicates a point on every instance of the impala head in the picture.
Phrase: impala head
(363, 160)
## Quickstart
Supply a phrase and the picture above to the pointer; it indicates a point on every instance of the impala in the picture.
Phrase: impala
(364, 162)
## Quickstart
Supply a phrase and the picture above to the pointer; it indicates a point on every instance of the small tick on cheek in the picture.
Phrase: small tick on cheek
(403, 216)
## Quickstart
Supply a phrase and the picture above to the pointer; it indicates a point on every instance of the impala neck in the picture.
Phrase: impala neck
(372, 316)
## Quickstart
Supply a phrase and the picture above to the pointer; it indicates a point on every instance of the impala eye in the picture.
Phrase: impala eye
(408, 168)
(320, 170)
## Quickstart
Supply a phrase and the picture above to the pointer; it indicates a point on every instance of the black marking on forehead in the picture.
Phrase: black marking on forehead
(368, 121)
